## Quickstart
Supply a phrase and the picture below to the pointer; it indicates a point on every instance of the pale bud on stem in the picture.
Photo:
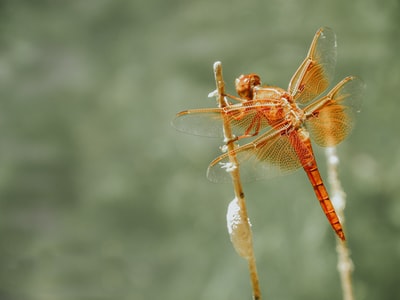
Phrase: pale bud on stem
(239, 230)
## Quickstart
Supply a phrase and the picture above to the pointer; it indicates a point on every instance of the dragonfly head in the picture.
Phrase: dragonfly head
(245, 85)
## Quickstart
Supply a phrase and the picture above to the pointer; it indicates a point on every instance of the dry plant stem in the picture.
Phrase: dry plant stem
(345, 264)
(236, 179)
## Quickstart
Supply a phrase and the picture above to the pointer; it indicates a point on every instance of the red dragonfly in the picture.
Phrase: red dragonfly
(284, 121)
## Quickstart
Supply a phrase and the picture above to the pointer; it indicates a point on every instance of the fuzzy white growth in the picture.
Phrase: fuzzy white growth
(213, 94)
(333, 159)
(338, 195)
(239, 230)
(226, 140)
(345, 266)
(224, 148)
(229, 167)
(338, 203)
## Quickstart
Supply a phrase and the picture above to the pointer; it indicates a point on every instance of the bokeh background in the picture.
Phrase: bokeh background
(100, 198)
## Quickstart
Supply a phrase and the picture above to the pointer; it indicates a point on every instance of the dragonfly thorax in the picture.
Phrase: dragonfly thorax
(277, 105)
(282, 107)
(293, 113)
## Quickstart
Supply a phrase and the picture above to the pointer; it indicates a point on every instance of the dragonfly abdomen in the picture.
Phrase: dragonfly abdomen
(322, 195)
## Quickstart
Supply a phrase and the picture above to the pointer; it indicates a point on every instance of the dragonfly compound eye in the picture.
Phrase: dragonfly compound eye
(245, 85)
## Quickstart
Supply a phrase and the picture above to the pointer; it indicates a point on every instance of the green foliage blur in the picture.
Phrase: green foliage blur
(100, 198)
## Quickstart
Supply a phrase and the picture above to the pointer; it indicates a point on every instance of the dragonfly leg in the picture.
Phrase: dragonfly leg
(236, 98)
(232, 140)
(256, 125)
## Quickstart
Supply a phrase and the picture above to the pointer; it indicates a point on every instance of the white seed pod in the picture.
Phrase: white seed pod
(239, 230)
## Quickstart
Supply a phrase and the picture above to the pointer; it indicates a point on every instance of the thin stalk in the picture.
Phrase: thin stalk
(345, 265)
(238, 189)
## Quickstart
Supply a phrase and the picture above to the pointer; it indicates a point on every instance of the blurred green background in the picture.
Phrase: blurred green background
(100, 198)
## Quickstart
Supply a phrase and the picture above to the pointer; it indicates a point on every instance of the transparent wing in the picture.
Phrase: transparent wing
(202, 121)
(316, 71)
(245, 119)
(331, 119)
(276, 152)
